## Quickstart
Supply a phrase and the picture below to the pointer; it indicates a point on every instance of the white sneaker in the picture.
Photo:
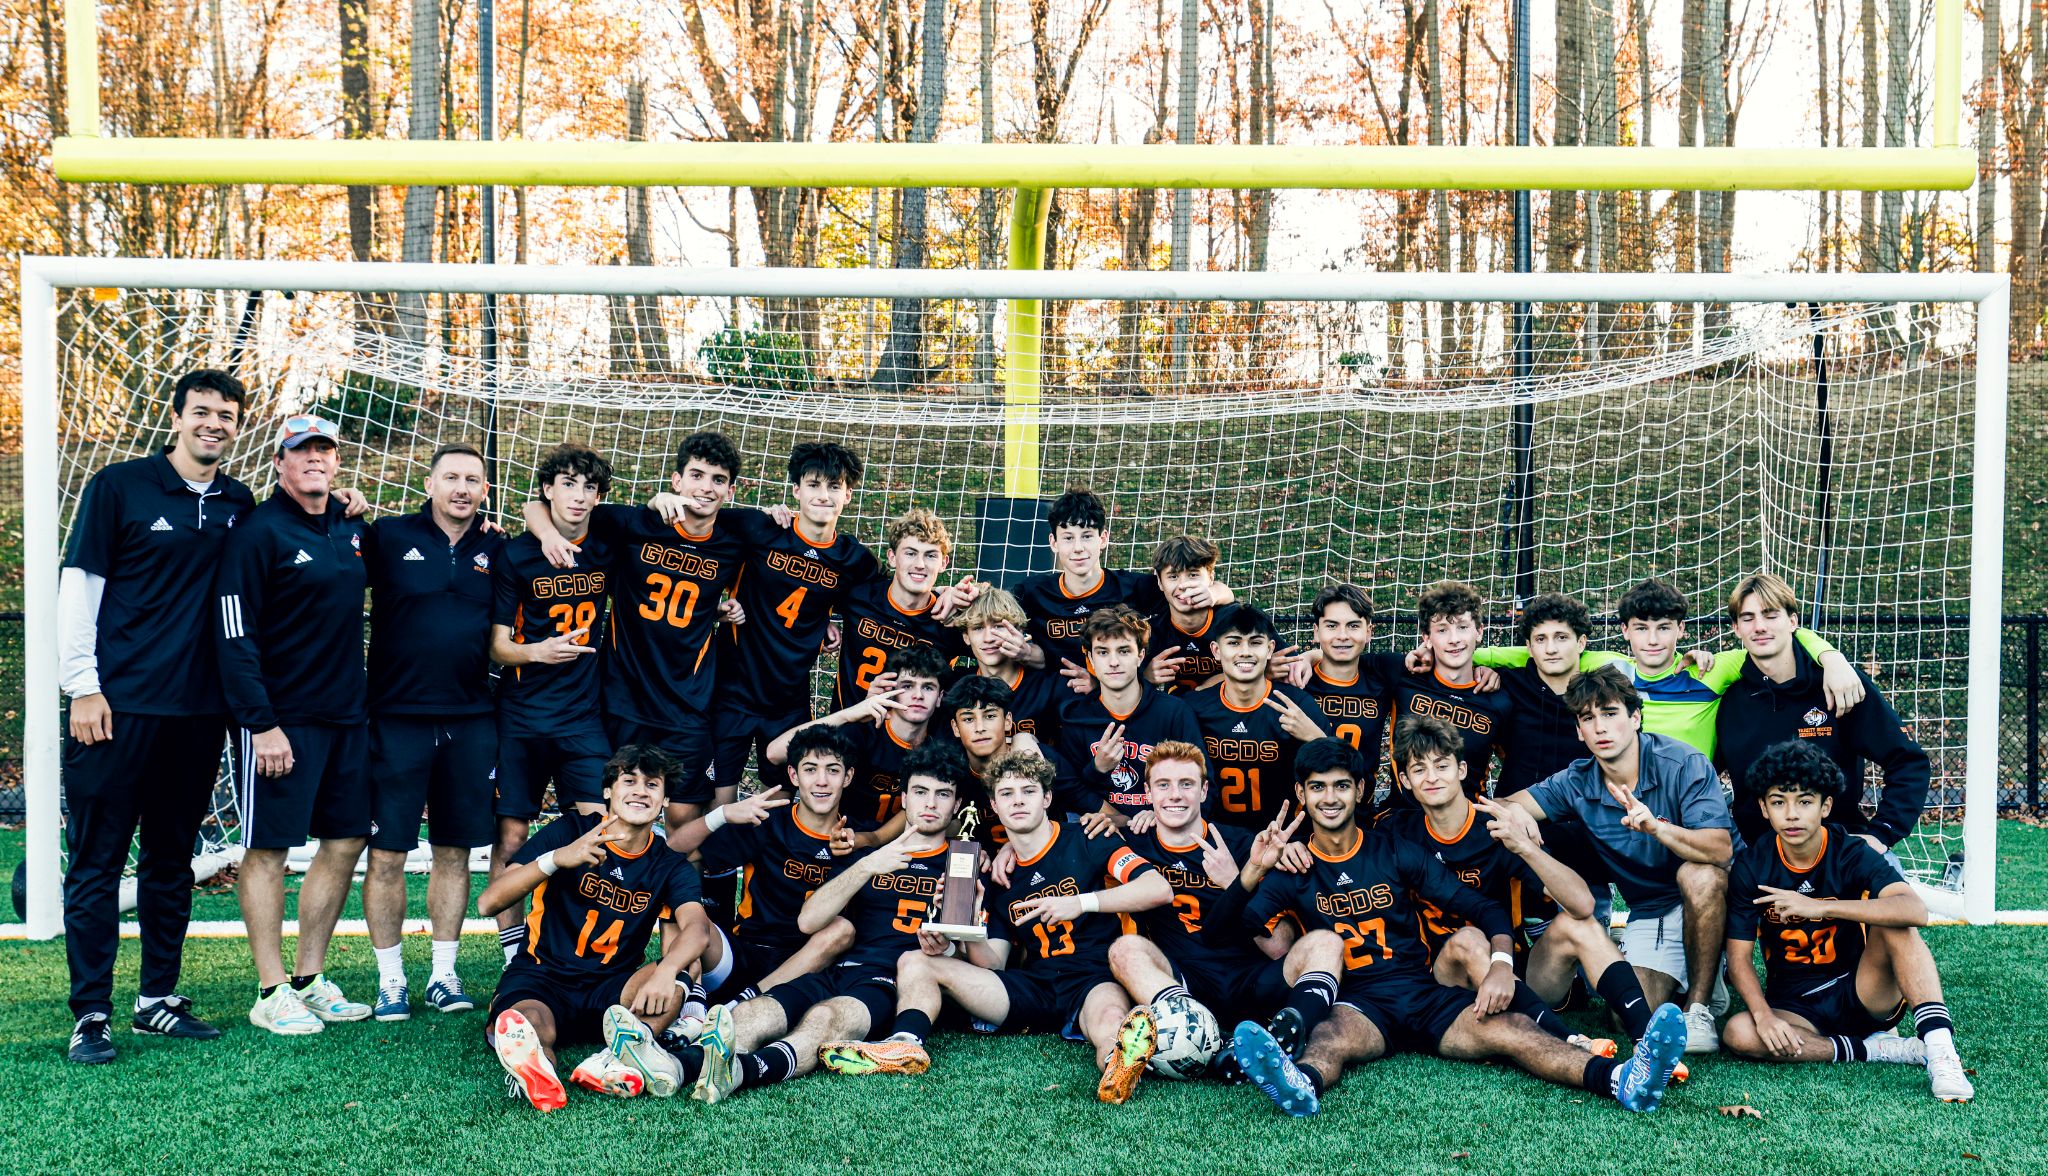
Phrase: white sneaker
(324, 1000)
(1946, 1078)
(284, 1013)
(1700, 1034)
(1890, 1047)
(603, 1073)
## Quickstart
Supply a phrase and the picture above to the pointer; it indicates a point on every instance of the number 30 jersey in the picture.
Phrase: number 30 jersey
(789, 589)
(594, 919)
(660, 660)
(538, 600)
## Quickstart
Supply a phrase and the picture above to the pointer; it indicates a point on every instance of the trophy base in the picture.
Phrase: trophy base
(959, 932)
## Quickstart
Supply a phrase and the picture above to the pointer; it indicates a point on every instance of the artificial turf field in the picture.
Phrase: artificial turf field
(426, 1095)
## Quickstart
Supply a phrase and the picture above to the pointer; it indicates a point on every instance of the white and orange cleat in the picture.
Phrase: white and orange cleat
(529, 1073)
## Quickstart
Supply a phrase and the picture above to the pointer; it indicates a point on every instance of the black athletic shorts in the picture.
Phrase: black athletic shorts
(441, 765)
(324, 795)
(1046, 1004)
(1834, 1009)
(740, 735)
(745, 962)
(574, 760)
(873, 985)
(1251, 992)
(689, 743)
(578, 1003)
(1413, 1015)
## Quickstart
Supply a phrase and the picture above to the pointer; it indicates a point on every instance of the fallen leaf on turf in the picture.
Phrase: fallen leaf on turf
(1742, 1111)
(350, 1106)
(1054, 1086)
(1973, 1156)
(1461, 1155)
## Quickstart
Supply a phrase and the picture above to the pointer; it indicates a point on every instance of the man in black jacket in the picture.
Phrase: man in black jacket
(288, 631)
(1779, 697)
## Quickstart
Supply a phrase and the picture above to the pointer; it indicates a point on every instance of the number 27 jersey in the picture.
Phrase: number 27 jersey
(537, 600)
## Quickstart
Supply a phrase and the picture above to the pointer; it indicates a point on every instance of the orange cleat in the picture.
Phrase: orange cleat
(1136, 1040)
(874, 1057)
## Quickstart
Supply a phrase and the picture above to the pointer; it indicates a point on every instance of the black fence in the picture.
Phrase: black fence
(1912, 653)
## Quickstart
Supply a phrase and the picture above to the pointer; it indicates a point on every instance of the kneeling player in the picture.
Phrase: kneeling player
(599, 886)
(885, 895)
(1840, 971)
(1058, 920)
(1363, 886)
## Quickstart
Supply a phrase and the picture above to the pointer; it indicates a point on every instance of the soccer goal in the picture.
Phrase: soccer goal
(1845, 431)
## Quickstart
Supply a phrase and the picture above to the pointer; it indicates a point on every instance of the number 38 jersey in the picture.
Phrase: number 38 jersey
(789, 589)
(594, 919)
(1368, 896)
(660, 658)
(538, 600)
(1799, 953)
(1069, 864)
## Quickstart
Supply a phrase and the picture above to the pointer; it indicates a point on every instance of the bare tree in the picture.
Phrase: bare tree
(1898, 43)
(1985, 250)
(638, 341)
(902, 362)
(424, 122)
(1873, 111)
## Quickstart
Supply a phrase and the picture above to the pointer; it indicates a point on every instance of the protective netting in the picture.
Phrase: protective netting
(1313, 442)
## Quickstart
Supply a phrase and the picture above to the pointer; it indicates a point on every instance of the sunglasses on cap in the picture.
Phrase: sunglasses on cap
(296, 430)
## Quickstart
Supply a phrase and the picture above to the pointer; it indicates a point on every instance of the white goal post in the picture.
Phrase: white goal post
(1975, 478)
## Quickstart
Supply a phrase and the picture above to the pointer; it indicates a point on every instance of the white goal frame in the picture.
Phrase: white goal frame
(42, 277)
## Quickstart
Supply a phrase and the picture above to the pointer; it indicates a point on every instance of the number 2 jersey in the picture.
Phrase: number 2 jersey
(587, 921)
(777, 864)
(1069, 864)
(1203, 930)
(1799, 954)
(872, 627)
(789, 588)
(1370, 896)
(538, 600)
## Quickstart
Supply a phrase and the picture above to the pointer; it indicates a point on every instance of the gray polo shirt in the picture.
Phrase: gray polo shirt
(1675, 781)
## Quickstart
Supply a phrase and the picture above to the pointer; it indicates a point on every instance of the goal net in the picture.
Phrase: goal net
(1359, 429)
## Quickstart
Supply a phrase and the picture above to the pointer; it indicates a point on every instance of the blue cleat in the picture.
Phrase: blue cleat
(447, 996)
(1269, 1068)
(394, 1003)
(1642, 1079)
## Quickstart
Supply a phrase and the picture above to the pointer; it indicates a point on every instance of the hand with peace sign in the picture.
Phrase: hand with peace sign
(1293, 720)
(1165, 667)
(1267, 846)
(1792, 905)
(593, 846)
(875, 708)
(1109, 750)
(1635, 815)
(888, 857)
(752, 810)
(1511, 825)
(1216, 859)
(1079, 680)
(562, 648)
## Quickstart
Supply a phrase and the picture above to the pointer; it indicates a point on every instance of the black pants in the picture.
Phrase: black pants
(158, 773)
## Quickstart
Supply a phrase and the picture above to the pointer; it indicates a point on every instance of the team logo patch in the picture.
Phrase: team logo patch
(482, 561)
(414, 556)
(161, 524)
(1815, 717)
(356, 541)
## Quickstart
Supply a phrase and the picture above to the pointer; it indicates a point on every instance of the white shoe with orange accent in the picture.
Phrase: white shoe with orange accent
(528, 1073)
(603, 1073)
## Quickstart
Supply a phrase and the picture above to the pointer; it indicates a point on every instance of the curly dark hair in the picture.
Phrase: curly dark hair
(976, 691)
(644, 758)
(1449, 599)
(1651, 600)
(713, 449)
(939, 761)
(572, 457)
(1796, 766)
(918, 661)
(1078, 507)
(1555, 606)
(827, 459)
(822, 737)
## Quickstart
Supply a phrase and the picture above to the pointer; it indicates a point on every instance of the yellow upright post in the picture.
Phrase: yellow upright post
(1948, 73)
(1022, 358)
(82, 67)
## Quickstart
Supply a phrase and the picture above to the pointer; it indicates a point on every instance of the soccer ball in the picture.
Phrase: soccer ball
(1188, 1037)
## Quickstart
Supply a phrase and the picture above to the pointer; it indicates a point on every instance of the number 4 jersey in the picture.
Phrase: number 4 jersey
(538, 600)
(595, 919)
(789, 589)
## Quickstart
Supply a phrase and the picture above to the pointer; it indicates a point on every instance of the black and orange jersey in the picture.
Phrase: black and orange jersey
(661, 656)
(1800, 953)
(1199, 664)
(594, 919)
(789, 588)
(1158, 718)
(1251, 760)
(875, 793)
(872, 627)
(538, 600)
(777, 864)
(887, 912)
(1069, 864)
(1035, 700)
(1057, 615)
(1356, 711)
(1369, 895)
(1479, 862)
(1204, 928)
(1480, 716)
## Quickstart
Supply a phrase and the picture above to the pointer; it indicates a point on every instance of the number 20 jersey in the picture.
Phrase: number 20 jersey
(538, 600)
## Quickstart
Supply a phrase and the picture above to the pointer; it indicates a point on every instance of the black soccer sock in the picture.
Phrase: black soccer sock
(302, 983)
(913, 1023)
(692, 1059)
(1313, 996)
(1931, 1022)
(263, 993)
(1623, 993)
(1598, 1077)
(772, 1063)
(1315, 1079)
(1162, 994)
(1849, 1049)
(1537, 1009)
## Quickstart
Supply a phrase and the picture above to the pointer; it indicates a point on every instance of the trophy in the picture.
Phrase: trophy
(956, 909)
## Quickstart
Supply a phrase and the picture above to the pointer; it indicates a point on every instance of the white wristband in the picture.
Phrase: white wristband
(952, 948)
(1091, 902)
(714, 820)
(1501, 957)
(547, 865)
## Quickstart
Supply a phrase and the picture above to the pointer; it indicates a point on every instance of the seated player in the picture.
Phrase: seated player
(1451, 687)
(905, 609)
(1178, 658)
(776, 852)
(1105, 736)
(1353, 688)
(1843, 957)
(1198, 945)
(1504, 860)
(599, 886)
(994, 628)
(1059, 602)
(982, 733)
(1389, 1001)
(885, 894)
(1251, 726)
(1654, 813)
(885, 725)
(1057, 919)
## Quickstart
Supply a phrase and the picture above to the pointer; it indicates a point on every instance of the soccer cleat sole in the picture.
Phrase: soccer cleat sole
(1137, 1039)
(720, 1074)
(601, 1073)
(519, 1051)
(629, 1040)
(1649, 1071)
(1268, 1067)
(874, 1057)
(1287, 1031)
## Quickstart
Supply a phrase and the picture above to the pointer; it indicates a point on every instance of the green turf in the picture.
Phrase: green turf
(425, 1095)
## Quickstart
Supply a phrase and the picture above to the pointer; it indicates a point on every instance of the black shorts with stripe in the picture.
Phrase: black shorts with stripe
(1411, 1014)
(325, 794)
(1046, 1004)
(1250, 993)
(577, 1003)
